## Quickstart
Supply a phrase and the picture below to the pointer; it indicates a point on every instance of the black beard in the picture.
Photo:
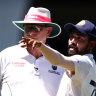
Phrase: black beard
(72, 46)
(77, 52)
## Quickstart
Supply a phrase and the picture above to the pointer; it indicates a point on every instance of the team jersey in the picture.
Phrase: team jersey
(21, 74)
(83, 83)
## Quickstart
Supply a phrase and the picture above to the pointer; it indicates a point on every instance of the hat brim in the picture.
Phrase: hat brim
(55, 32)
(69, 27)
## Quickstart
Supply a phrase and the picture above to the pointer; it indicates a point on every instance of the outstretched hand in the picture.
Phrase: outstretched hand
(30, 43)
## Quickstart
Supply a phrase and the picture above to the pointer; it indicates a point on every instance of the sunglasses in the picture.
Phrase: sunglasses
(33, 27)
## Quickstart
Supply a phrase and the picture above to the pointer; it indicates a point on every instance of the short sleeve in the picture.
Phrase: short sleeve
(82, 66)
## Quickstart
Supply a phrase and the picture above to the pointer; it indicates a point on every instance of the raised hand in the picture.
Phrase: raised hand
(30, 43)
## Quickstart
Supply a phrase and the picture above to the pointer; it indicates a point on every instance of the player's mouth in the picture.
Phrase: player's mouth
(73, 48)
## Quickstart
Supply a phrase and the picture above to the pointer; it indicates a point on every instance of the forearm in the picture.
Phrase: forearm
(56, 58)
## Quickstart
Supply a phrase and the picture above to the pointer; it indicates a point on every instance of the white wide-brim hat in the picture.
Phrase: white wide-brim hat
(39, 15)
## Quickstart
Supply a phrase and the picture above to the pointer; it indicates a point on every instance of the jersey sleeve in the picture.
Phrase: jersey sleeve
(82, 66)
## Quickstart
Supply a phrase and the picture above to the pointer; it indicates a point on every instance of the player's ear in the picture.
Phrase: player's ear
(49, 31)
(93, 43)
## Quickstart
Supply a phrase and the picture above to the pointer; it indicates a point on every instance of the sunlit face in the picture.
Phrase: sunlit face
(36, 31)
(78, 43)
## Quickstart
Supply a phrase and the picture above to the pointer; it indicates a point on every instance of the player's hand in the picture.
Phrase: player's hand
(30, 43)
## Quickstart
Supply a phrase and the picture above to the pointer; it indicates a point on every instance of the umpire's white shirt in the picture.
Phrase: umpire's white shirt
(21, 74)
(79, 84)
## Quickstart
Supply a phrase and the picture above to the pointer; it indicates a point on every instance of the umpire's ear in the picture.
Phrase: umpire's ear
(49, 31)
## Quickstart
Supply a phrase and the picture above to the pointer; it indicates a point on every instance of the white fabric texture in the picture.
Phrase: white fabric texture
(24, 75)
(79, 84)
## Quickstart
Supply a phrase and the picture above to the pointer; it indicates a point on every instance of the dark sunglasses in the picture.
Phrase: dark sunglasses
(33, 27)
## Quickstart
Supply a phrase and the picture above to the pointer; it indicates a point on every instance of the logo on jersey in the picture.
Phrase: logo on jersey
(18, 64)
(36, 71)
(54, 68)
